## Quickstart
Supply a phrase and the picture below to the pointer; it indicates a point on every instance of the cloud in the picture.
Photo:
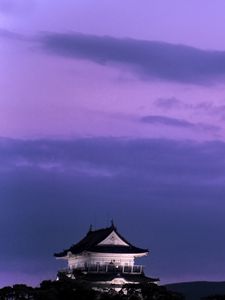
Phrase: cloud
(147, 59)
(168, 121)
(7, 34)
(168, 103)
(179, 123)
(174, 190)
(205, 107)
(40, 159)
(119, 156)
(210, 108)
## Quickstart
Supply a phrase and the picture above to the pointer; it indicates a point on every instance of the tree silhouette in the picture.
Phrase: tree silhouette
(69, 289)
(215, 297)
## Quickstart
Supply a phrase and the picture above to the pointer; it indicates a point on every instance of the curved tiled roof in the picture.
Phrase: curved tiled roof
(93, 238)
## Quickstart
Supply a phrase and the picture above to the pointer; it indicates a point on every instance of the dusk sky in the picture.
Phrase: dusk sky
(112, 109)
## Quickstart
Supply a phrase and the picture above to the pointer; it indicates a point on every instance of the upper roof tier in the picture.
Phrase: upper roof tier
(106, 240)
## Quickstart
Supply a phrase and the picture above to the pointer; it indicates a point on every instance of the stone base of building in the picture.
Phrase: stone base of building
(107, 281)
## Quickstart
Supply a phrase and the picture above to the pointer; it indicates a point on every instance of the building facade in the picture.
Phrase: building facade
(104, 258)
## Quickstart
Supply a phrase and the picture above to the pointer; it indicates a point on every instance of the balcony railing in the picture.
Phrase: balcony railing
(95, 268)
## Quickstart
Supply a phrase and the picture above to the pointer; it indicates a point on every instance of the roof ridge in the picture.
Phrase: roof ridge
(94, 237)
(101, 229)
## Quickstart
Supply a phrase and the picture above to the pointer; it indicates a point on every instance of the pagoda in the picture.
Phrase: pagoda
(105, 259)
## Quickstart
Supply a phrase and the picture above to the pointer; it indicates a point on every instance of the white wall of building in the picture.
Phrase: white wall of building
(88, 258)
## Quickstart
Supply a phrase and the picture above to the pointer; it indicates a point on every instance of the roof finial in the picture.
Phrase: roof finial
(112, 224)
(90, 228)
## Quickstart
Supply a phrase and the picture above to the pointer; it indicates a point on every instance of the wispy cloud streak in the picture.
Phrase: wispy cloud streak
(147, 59)
(167, 121)
(179, 123)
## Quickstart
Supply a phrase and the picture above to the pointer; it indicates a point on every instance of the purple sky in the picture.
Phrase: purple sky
(112, 109)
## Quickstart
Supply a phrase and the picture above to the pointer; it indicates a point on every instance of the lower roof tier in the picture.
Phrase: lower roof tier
(108, 277)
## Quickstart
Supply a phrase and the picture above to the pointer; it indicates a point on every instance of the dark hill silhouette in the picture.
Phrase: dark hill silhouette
(198, 289)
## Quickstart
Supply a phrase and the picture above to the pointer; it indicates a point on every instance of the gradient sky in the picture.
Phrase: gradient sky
(112, 109)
